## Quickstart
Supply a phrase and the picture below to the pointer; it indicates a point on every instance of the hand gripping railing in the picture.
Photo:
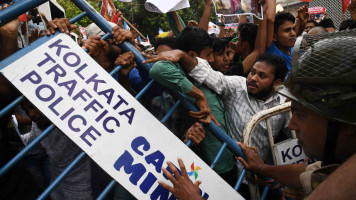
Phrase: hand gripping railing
(20, 7)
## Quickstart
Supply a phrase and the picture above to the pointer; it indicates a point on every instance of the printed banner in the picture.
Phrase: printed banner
(238, 7)
(164, 6)
(103, 119)
(108, 11)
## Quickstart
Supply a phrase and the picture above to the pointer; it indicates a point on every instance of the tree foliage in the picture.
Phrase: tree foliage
(135, 12)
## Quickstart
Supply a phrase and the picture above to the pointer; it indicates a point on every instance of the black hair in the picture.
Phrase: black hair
(219, 44)
(345, 24)
(353, 25)
(228, 38)
(248, 32)
(312, 21)
(193, 39)
(169, 41)
(280, 66)
(327, 23)
(281, 18)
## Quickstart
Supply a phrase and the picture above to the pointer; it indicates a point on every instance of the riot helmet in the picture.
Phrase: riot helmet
(323, 79)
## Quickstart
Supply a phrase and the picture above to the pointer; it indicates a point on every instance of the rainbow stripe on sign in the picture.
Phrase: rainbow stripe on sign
(194, 171)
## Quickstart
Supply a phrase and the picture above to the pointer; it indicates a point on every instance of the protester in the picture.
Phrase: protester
(221, 53)
(281, 34)
(310, 24)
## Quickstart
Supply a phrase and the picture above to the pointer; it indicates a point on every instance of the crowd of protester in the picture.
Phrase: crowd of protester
(230, 77)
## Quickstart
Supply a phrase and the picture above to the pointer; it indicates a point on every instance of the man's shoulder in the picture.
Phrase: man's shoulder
(165, 65)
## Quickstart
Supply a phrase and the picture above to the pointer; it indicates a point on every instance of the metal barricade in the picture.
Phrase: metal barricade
(247, 135)
(23, 6)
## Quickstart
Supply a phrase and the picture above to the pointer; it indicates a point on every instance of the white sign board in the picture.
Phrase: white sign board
(103, 119)
(164, 6)
(289, 152)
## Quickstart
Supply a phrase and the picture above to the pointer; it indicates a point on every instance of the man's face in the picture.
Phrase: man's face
(309, 26)
(285, 36)
(310, 129)
(35, 115)
(207, 54)
(260, 81)
(221, 60)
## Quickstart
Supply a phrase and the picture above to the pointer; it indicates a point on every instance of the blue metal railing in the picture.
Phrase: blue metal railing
(17, 9)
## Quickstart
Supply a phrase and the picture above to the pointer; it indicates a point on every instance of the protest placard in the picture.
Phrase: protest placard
(238, 7)
(164, 6)
(316, 13)
(103, 119)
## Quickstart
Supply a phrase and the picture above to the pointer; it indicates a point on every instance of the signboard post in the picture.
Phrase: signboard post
(103, 119)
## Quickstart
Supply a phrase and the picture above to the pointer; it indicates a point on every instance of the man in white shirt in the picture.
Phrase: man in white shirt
(242, 97)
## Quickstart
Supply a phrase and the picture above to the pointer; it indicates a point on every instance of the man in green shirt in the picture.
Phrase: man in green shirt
(197, 43)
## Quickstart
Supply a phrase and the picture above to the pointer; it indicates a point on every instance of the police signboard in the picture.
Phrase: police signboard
(289, 152)
(103, 119)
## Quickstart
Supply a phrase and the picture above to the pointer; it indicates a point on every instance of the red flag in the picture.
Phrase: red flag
(108, 11)
(345, 4)
(23, 18)
(306, 0)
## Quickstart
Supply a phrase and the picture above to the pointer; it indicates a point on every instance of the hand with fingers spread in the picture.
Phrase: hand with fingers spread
(121, 35)
(183, 188)
(61, 24)
(195, 133)
(35, 35)
(253, 162)
(127, 61)
(95, 46)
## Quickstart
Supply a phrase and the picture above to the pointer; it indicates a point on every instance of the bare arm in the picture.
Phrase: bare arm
(204, 22)
(271, 14)
(187, 62)
(301, 20)
(287, 175)
(176, 19)
(340, 184)
(260, 43)
(222, 27)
